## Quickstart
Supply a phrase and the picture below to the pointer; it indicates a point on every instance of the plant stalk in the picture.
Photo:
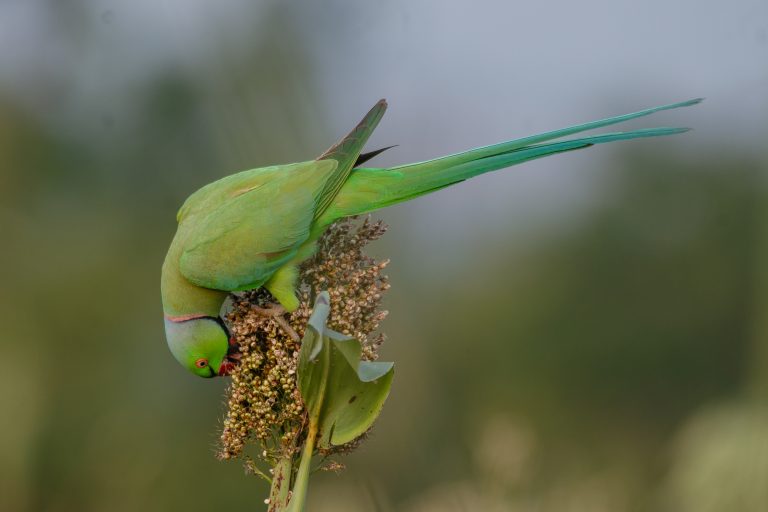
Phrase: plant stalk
(299, 494)
(279, 493)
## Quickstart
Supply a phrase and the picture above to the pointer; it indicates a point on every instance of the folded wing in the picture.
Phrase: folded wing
(239, 230)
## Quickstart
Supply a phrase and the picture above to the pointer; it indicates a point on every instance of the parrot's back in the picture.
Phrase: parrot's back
(253, 228)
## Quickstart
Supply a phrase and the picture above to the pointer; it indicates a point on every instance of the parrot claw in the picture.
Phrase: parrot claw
(276, 312)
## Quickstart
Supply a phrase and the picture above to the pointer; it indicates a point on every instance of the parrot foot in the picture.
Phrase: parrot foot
(276, 312)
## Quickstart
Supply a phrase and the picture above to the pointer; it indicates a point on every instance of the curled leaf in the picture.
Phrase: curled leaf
(343, 395)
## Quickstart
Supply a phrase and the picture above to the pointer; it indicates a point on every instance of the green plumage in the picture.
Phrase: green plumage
(254, 228)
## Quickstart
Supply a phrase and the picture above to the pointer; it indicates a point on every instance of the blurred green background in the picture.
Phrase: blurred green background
(583, 333)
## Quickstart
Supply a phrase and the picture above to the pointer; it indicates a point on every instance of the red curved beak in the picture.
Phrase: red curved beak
(233, 357)
(226, 368)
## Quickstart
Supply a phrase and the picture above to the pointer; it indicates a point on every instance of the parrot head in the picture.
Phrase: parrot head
(202, 345)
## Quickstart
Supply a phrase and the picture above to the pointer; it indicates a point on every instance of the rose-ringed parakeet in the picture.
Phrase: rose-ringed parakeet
(252, 229)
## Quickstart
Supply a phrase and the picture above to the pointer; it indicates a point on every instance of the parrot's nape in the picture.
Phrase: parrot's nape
(253, 229)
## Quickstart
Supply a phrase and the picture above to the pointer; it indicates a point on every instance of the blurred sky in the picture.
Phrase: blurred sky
(456, 74)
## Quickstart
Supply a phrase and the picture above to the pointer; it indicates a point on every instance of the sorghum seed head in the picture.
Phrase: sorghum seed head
(263, 402)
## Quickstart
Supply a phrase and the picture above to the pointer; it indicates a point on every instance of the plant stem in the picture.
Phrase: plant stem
(281, 484)
(299, 494)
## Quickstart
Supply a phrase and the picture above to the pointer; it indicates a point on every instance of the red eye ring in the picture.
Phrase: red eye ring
(201, 363)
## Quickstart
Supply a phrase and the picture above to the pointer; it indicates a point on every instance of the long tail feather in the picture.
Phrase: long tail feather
(505, 147)
(370, 189)
(516, 156)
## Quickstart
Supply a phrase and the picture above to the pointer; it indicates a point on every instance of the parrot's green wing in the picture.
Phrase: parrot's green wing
(239, 230)
(346, 152)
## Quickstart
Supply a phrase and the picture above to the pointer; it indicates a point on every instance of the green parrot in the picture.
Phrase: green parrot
(254, 228)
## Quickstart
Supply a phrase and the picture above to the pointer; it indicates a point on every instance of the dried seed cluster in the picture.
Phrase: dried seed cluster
(263, 401)
(354, 280)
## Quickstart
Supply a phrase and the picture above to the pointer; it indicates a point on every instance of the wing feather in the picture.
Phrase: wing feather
(346, 153)
(239, 230)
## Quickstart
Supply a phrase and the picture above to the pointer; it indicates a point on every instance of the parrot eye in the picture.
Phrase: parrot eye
(201, 363)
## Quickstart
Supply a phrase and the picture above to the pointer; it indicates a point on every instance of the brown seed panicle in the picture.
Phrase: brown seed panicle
(264, 405)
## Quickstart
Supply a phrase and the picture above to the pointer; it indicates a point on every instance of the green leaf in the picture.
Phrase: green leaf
(311, 369)
(343, 395)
